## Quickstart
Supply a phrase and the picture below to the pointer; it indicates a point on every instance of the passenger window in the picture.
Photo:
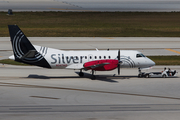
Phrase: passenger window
(109, 57)
(104, 57)
(99, 57)
(95, 57)
(85, 57)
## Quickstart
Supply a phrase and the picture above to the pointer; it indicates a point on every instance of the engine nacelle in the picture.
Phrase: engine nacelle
(102, 65)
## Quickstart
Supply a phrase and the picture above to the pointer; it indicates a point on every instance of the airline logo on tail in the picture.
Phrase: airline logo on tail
(23, 50)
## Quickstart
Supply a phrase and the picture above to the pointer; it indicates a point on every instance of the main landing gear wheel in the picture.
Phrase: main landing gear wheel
(93, 77)
(81, 74)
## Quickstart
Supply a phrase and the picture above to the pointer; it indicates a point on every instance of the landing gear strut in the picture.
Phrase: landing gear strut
(81, 74)
(93, 77)
(141, 74)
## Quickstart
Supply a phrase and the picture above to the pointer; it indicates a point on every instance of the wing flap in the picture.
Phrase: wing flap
(75, 66)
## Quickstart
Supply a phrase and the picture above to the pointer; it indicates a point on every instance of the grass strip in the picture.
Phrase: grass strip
(165, 60)
(159, 60)
(12, 62)
(93, 24)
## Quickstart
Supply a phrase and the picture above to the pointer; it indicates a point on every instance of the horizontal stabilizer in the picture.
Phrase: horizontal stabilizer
(29, 54)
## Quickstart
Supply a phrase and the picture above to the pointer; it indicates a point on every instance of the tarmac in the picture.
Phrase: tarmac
(30, 92)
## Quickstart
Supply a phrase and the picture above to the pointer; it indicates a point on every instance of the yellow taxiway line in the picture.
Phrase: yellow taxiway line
(173, 51)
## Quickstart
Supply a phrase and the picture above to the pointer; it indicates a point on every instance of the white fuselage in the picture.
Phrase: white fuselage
(59, 59)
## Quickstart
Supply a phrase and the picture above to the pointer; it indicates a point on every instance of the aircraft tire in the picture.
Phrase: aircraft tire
(81, 74)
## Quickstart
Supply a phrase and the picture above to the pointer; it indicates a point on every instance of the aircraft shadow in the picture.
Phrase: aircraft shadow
(104, 78)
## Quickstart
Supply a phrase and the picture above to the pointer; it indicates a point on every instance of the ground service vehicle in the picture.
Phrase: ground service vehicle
(163, 74)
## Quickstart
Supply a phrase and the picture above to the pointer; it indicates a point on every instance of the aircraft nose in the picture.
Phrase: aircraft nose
(152, 63)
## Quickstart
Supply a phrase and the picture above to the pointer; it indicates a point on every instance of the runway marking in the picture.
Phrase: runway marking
(28, 108)
(173, 51)
(44, 97)
(84, 90)
(90, 108)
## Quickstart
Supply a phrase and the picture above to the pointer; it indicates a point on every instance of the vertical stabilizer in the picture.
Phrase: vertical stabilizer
(23, 50)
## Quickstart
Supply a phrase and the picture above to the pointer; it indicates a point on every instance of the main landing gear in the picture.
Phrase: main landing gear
(81, 74)
(93, 77)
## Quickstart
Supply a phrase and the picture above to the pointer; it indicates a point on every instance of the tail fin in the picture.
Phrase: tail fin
(23, 50)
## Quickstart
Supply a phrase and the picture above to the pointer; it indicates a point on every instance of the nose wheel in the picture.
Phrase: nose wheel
(140, 73)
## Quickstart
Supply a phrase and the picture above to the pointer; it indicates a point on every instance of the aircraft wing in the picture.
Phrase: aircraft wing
(75, 66)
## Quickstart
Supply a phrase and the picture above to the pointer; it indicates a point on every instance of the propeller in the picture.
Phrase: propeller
(119, 61)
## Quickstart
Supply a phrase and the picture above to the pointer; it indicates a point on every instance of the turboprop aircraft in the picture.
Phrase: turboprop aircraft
(97, 60)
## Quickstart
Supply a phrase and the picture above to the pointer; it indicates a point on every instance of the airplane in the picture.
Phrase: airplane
(94, 60)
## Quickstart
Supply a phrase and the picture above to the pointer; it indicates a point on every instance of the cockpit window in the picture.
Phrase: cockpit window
(140, 55)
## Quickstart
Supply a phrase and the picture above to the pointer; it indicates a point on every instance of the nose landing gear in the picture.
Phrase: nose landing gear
(141, 74)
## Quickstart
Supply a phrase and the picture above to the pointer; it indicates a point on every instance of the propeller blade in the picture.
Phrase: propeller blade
(118, 69)
(119, 55)
(118, 60)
